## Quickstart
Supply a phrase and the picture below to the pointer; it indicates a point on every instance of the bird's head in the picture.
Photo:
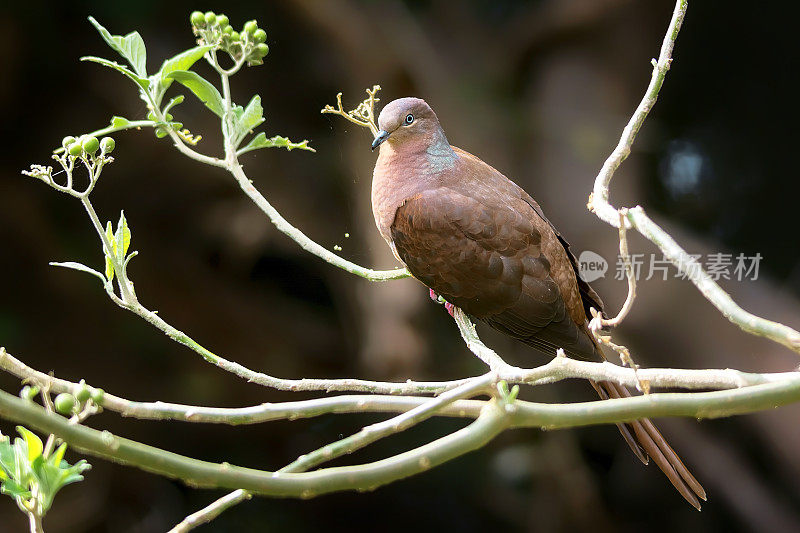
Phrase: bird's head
(405, 119)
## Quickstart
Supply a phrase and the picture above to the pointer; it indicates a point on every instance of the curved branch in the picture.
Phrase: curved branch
(306, 243)
(492, 420)
(599, 204)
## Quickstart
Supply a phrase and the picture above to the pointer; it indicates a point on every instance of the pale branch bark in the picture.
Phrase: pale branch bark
(467, 330)
(598, 321)
(495, 416)
(375, 432)
(600, 205)
(300, 238)
(558, 369)
(210, 512)
(304, 384)
(688, 265)
(599, 199)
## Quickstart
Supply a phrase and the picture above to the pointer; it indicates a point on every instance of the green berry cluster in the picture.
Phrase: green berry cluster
(87, 145)
(249, 43)
(69, 404)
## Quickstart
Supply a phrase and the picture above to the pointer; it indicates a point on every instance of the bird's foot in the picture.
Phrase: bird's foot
(438, 299)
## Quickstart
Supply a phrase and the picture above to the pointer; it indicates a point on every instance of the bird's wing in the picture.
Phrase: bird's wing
(486, 254)
(588, 295)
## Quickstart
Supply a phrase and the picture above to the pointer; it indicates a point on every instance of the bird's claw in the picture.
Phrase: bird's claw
(438, 299)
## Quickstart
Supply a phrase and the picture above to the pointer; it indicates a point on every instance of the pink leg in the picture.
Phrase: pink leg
(435, 298)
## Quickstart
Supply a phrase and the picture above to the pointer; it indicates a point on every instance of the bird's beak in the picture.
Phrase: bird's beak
(382, 136)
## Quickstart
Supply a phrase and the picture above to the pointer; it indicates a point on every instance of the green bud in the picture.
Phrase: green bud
(198, 20)
(69, 139)
(235, 36)
(82, 394)
(261, 50)
(107, 145)
(227, 30)
(90, 144)
(65, 403)
(259, 36)
(97, 396)
(251, 26)
(28, 392)
(168, 116)
(210, 17)
(75, 149)
(222, 20)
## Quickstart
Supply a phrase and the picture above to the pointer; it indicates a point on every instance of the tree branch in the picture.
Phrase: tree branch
(599, 204)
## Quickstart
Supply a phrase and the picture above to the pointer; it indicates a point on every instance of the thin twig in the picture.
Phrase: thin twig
(380, 430)
(210, 512)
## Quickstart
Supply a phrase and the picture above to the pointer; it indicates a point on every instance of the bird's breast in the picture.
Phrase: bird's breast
(398, 177)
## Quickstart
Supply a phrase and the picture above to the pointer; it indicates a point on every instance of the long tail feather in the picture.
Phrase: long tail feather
(650, 440)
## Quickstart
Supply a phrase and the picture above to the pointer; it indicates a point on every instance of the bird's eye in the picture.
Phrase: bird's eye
(409, 118)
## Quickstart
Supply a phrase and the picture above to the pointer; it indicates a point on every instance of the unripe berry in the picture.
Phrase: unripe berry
(198, 19)
(90, 144)
(107, 145)
(261, 50)
(65, 403)
(75, 149)
(69, 139)
(97, 396)
(251, 26)
(83, 393)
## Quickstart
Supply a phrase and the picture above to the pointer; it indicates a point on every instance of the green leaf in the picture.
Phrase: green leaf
(251, 117)
(143, 83)
(109, 266)
(33, 442)
(131, 47)
(204, 90)
(53, 474)
(15, 490)
(58, 455)
(22, 465)
(7, 459)
(182, 61)
(122, 238)
(172, 103)
(119, 122)
(79, 266)
(261, 141)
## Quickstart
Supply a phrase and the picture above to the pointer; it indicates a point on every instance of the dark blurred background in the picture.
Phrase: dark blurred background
(541, 90)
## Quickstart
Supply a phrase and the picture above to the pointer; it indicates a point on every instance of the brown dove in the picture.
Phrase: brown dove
(477, 239)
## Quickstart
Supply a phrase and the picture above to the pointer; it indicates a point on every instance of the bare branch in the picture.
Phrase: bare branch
(363, 115)
(599, 204)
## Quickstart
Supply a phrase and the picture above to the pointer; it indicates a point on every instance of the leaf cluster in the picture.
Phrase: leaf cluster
(30, 475)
